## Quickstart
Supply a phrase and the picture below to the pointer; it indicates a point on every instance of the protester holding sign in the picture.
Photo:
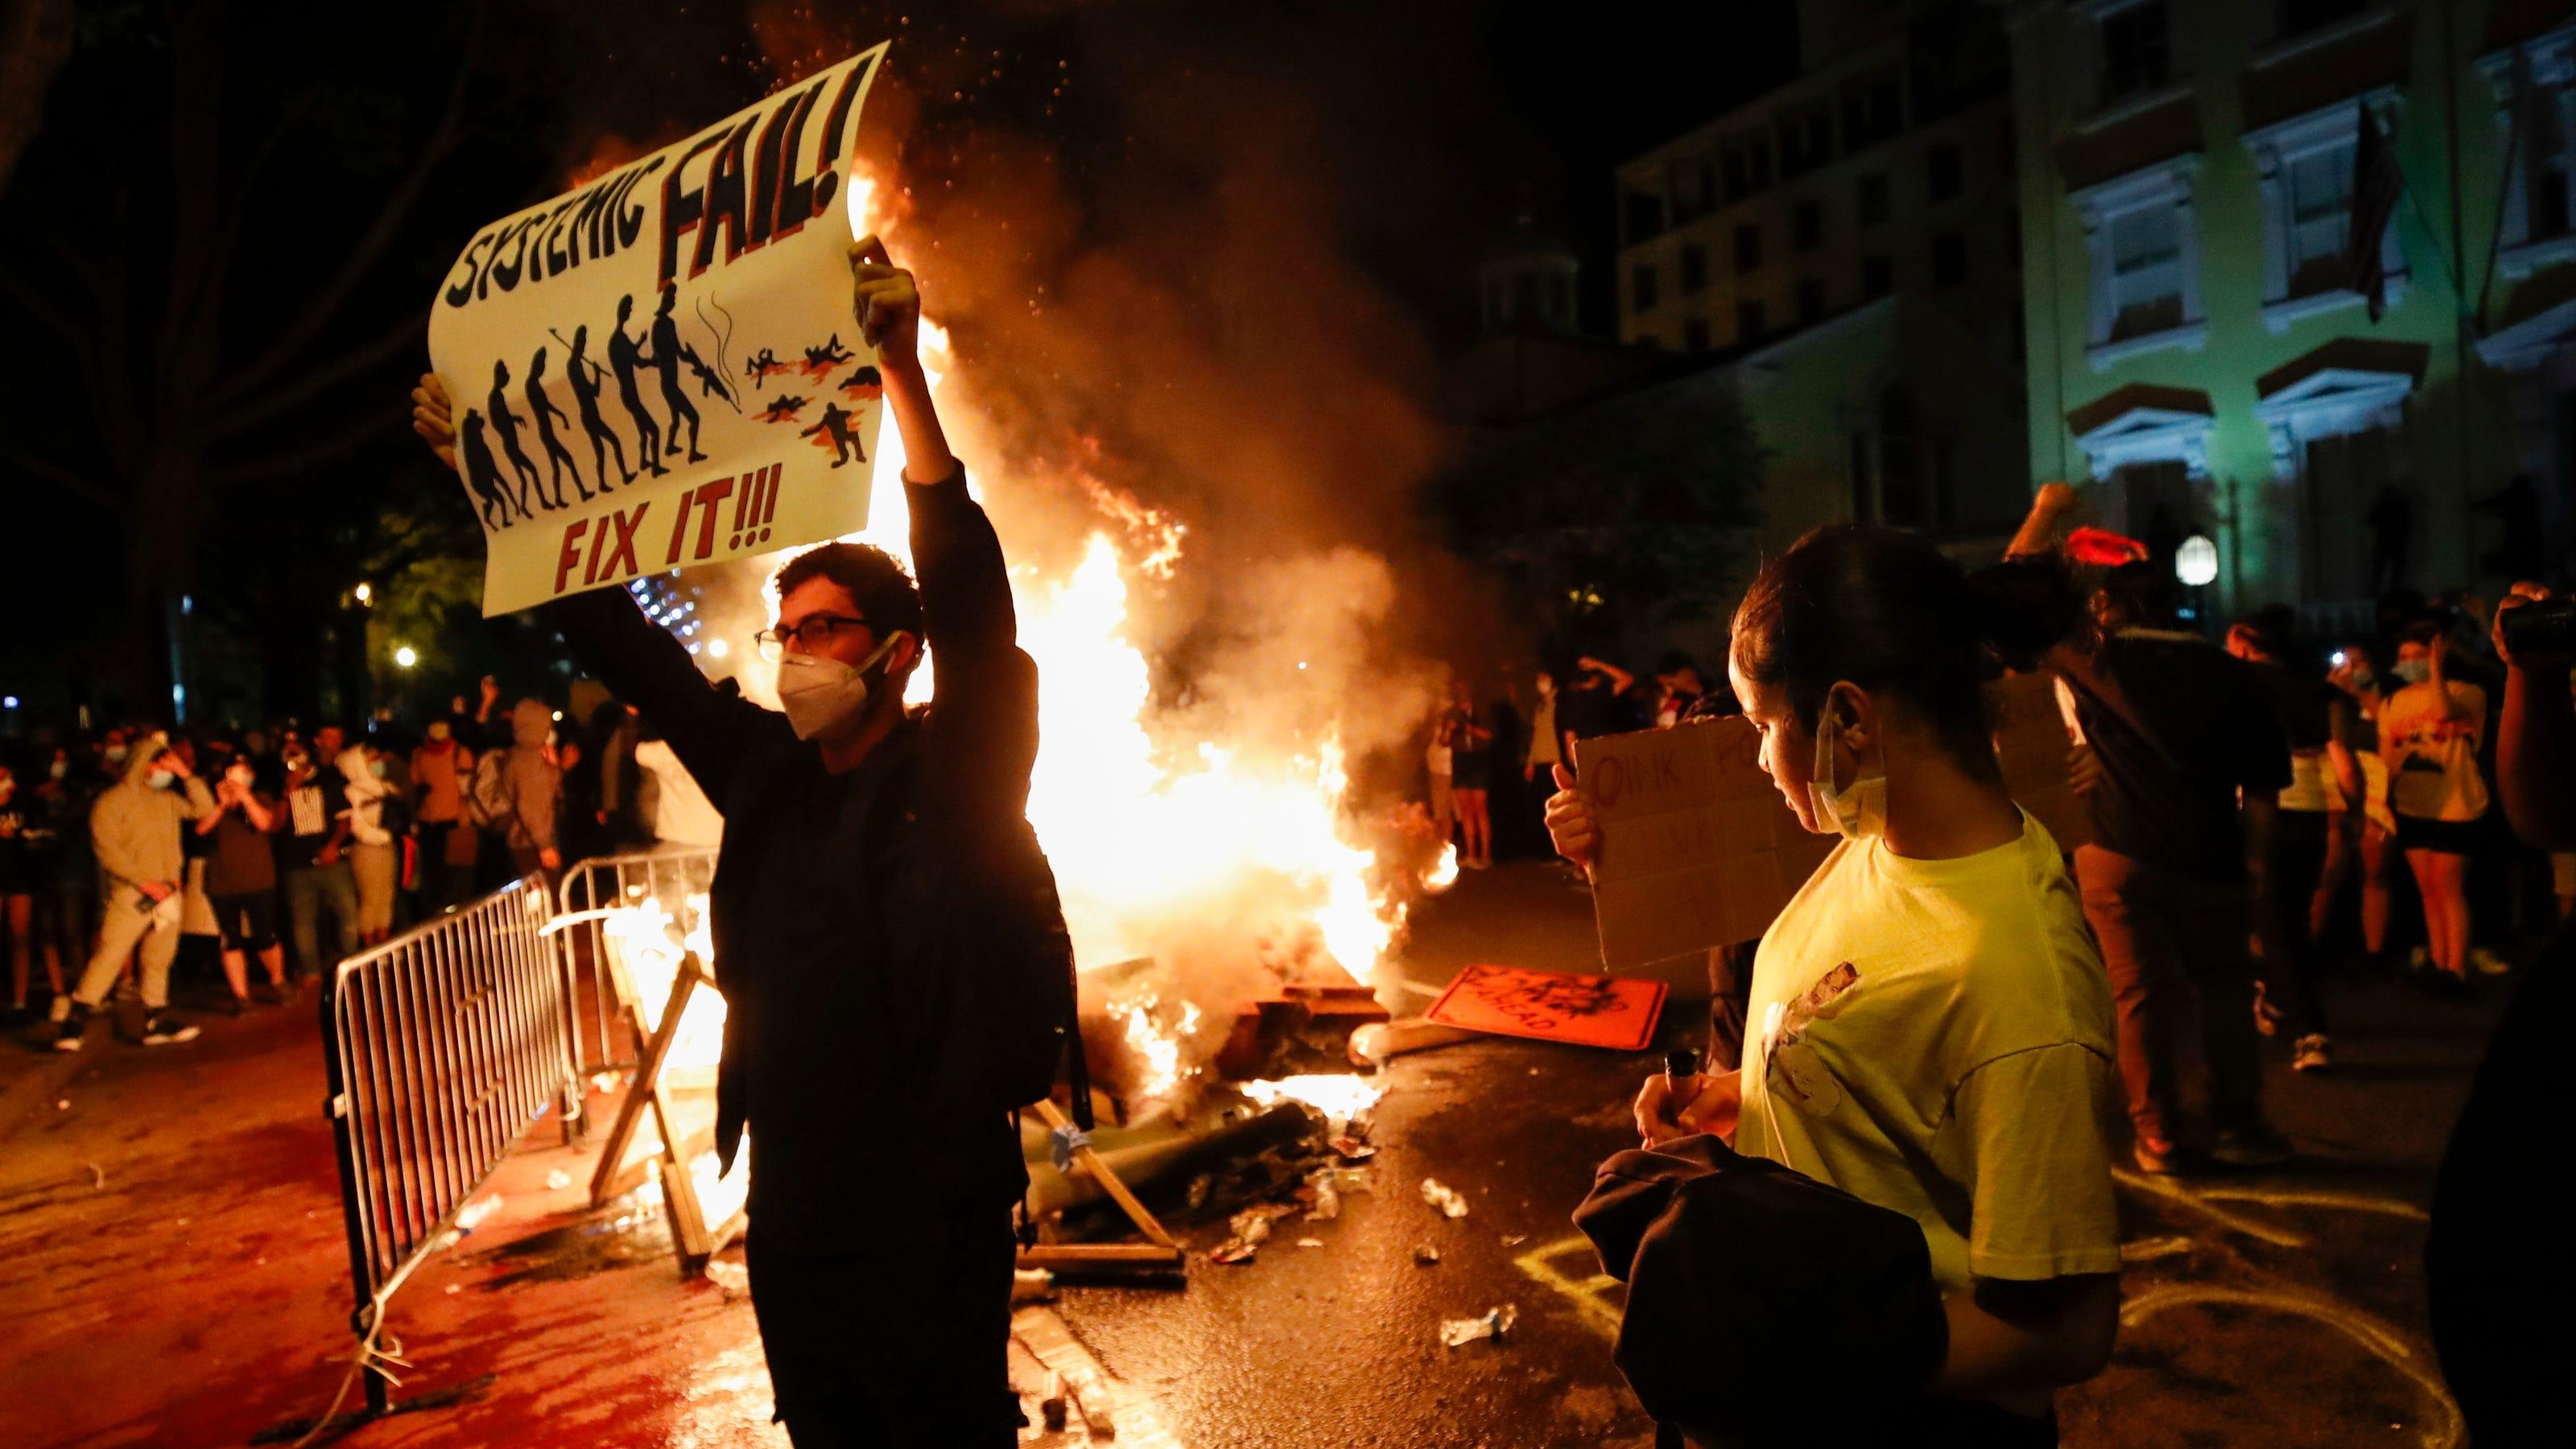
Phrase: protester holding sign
(1932, 1030)
(886, 935)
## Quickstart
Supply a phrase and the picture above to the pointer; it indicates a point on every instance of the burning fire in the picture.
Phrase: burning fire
(1339, 1096)
(1169, 839)
(647, 945)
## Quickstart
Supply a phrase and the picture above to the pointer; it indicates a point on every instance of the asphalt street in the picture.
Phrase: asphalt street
(173, 1272)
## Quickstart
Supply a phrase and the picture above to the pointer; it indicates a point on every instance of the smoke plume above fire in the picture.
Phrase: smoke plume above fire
(1196, 425)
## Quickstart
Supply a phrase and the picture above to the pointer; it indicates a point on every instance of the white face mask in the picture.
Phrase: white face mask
(1859, 813)
(823, 696)
(2413, 671)
(161, 779)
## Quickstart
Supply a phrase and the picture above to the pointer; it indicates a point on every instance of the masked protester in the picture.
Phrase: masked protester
(449, 844)
(135, 829)
(875, 873)
(241, 882)
(1931, 1029)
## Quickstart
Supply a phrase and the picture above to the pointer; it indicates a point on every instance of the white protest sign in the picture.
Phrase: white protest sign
(659, 369)
(1697, 847)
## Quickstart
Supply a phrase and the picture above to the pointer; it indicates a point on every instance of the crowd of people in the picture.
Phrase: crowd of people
(285, 846)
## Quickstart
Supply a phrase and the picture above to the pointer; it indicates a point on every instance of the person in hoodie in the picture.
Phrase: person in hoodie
(1932, 1031)
(375, 860)
(535, 785)
(135, 829)
(874, 866)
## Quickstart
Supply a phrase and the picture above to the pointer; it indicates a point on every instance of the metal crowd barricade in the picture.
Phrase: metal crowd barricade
(608, 1037)
(444, 1045)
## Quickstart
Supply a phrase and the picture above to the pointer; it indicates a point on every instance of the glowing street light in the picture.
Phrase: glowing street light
(365, 594)
(718, 648)
(406, 656)
(2196, 562)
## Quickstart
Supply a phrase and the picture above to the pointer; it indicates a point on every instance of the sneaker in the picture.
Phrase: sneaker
(2155, 1158)
(162, 1029)
(13, 1017)
(2251, 1146)
(2267, 1017)
(2487, 962)
(267, 994)
(70, 1031)
(2312, 1054)
(235, 1006)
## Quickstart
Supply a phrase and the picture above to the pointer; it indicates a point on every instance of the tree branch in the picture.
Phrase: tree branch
(71, 480)
(318, 311)
(368, 428)
(356, 362)
(35, 304)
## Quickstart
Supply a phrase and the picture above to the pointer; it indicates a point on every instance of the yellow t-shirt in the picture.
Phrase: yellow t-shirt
(1935, 1037)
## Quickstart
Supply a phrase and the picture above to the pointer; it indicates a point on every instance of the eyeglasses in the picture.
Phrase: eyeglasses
(813, 633)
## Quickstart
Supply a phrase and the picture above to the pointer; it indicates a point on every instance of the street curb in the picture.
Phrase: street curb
(34, 1094)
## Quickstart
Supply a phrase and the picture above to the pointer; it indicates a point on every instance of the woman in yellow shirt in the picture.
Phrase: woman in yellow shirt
(1931, 1027)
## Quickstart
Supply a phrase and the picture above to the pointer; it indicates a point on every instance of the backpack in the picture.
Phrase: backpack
(489, 804)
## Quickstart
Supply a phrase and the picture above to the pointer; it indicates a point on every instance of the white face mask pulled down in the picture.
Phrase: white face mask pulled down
(824, 696)
(1857, 813)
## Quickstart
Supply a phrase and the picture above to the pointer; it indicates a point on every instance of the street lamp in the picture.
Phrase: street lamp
(2196, 562)
(365, 594)
(405, 656)
(719, 648)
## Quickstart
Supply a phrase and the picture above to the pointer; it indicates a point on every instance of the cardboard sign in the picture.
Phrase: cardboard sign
(1598, 1011)
(660, 369)
(2031, 743)
(1697, 847)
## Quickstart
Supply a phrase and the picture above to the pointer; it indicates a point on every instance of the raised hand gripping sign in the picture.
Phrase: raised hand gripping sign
(659, 369)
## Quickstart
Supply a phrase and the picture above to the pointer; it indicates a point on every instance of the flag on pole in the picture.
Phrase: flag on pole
(2376, 185)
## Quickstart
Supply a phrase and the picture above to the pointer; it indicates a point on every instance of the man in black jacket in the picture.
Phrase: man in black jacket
(854, 898)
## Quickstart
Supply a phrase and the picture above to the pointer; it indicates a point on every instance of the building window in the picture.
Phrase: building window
(1871, 209)
(1877, 278)
(1941, 167)
(2535, 86)
(2137, 50)
(1749, 325)
(1806, 140)
(1641, 217)
(1695, 334)
(2145, 258)
(1694, 268)
(1949, 260)
(1807, 226)
(1744, 164)
(2304, 173)
(1811, 302)
(1873, 110)
(1694, 190)
(1641, 286)
(1748, 248)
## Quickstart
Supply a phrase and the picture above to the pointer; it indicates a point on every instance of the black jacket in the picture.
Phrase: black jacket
(847, 909)
(1764, 1308)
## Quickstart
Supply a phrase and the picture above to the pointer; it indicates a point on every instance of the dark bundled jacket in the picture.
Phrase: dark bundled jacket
(871, 929)
(1764, 1308)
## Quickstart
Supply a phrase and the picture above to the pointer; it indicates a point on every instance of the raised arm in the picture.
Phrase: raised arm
(2536, 741)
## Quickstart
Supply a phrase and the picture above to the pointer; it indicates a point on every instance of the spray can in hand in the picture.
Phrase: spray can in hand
(1681, 1081)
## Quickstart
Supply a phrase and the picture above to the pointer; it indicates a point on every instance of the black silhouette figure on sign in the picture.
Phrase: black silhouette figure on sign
(833, 432)
(668, 353)
(865, 384)
(482, 471)
(762, 364)
(506, 425)
(710, 384)
(559, 459)
(586, 378)
(624, 356)
(819, 361)
(782, 409)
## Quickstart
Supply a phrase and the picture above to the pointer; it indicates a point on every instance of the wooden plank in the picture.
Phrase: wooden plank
(1089, 1161)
